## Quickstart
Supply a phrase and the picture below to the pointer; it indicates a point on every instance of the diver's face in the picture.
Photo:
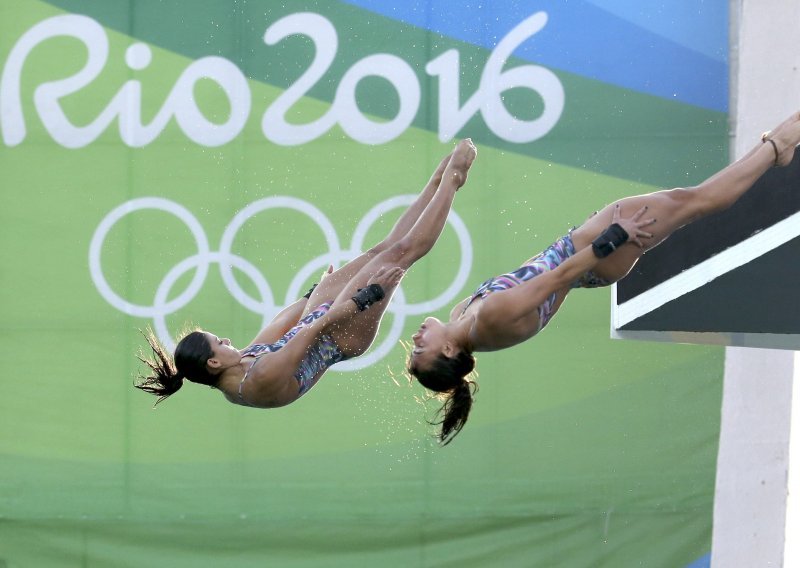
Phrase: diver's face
(224, 354)
(429, 342)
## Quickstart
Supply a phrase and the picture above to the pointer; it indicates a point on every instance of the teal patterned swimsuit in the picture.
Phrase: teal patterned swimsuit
(319, 356)
(550, 258)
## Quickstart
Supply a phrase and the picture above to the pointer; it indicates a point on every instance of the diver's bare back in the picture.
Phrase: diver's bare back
(492, 328)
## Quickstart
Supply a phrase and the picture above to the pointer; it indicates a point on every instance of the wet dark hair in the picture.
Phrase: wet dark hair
(447, 376)
(191, 355)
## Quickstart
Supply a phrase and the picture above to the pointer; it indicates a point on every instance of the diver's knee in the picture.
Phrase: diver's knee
(377, 249)
(689, 202)
(402, 249)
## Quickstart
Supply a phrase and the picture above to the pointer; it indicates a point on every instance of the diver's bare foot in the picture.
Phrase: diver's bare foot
(786, 137)
(460, 163)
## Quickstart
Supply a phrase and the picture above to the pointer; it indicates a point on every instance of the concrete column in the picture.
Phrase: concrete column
(753, 466)
(751, 488)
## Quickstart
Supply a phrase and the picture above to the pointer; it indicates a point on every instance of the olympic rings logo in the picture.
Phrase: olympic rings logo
(265, 304)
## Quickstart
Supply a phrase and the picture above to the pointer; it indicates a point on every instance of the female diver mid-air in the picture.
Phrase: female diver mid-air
(513, 307)
(337, 320)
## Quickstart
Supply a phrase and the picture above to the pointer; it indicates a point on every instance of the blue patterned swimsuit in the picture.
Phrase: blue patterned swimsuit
(319, 356)
(550, 258)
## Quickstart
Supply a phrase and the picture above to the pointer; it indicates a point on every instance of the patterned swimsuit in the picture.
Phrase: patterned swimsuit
(319, 356)
(549, 259)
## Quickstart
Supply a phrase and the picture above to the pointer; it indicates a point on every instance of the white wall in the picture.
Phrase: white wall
(753, 464)
(792, 548)
(750, 497)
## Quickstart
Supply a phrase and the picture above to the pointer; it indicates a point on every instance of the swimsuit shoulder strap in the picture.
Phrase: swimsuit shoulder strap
(247, 374)
(481, 292)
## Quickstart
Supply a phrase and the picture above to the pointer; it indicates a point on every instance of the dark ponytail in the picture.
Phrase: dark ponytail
(447, 377)
(191, 355)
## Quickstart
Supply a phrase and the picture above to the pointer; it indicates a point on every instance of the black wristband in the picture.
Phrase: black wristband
(365, 297)
(609, 241)
(307, 295)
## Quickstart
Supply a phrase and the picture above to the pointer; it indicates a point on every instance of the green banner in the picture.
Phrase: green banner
(175, 163)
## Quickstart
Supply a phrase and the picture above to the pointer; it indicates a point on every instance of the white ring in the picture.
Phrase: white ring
(267, 306)
(96, 246)
(262, 205)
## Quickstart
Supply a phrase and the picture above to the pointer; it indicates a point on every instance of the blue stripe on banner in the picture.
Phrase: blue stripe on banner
(702, 562)
(660, 51)
(697, 26)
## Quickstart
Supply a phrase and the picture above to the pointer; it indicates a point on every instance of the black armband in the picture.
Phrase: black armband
(609, 241)
(365, 297)
(307, 295)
